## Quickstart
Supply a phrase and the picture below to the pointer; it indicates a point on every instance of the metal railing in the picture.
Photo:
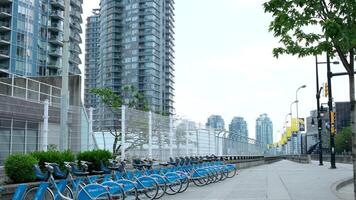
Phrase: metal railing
(147, 134)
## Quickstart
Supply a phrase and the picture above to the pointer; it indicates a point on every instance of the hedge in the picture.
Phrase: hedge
(19, 168)
(95, 156)
(53, 157)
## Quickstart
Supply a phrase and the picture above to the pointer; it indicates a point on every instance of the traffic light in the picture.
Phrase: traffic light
(326, 89)
(332, 121)
(332, 117)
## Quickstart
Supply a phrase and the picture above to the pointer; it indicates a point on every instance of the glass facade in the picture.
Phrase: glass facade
(216, 122)
(92, 52)
(31, 36)
(238, 129)
(264, 130)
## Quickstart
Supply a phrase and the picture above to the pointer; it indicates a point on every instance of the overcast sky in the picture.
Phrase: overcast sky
(224, 65)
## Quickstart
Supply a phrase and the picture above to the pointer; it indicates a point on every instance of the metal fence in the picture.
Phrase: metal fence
(151, 135)
(30, 117)
(30, 121)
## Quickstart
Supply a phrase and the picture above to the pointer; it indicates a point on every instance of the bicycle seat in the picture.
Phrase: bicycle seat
(39, 174)
(164, 164)
(58, 173)
(95, 172)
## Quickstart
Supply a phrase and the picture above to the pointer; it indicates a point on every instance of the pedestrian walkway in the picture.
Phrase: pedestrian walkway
(282, 180)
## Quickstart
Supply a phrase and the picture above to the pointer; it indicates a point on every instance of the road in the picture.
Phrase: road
(282, 180)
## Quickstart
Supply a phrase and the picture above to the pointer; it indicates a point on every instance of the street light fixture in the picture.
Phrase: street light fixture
(297, 109)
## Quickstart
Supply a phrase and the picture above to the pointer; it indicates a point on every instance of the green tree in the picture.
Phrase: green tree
(130, 97)
(343, 141)
(311, 27)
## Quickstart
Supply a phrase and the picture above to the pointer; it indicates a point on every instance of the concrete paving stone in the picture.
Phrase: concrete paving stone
(284, 180)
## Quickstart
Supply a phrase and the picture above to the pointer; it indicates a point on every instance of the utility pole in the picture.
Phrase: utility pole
(318, 112)
(331, 114)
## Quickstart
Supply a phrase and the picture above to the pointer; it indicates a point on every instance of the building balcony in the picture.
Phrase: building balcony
(5, 12)
(56, 27)
(74, 70)
(77, 26)
(57, 14)
(56, 40)
(76, 3)
(54, 65)
(4, 40)
(75, 59)
(55, 52)
(76, 14)
(76, 37)
(4, 66)
(4, 27)
(4, 54)
(58, 4)
(75, 48)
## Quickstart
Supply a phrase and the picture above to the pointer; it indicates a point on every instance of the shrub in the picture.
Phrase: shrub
(53, 157)
(95, 156)
(19, 168)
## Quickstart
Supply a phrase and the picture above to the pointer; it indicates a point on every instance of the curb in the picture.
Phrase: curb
(335, 187)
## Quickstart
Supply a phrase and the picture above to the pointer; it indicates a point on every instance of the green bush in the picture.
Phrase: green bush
(53, 157)
(19, 168)
(95, 157)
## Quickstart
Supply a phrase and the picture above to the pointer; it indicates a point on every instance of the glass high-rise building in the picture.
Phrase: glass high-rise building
(136, 40)
(92, 52)
(216, 122)
(264, 130)
(238, 129)
(31, 36)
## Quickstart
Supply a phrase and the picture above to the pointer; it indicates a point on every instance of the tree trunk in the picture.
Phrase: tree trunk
(114, 152)
(353, 125)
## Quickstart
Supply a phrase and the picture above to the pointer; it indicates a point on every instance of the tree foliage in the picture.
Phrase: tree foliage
(131, 97)
(310, 27)
(343, 141)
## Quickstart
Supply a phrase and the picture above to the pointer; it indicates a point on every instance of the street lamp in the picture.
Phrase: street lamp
(296, 99)
(291, 118)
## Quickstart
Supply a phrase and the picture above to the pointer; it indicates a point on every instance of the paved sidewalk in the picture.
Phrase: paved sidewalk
(282, 180)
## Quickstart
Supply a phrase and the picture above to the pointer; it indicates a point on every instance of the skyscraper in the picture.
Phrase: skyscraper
(136, 49)
(31, 36)
(92, 44)
(238, 129)
(215, 121)
(264, 130)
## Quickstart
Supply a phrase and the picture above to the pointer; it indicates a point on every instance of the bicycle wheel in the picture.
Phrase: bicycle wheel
(174, 188)
(130, 189)
(32, 193)
(93, 192)
(162, 186)
(147, 188)
(201, 181)
(184, 179)
(231, 172)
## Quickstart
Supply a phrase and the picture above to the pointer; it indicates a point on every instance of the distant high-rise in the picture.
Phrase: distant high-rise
(238, 129)
(264, 130)
(215, 121)
(92, 44)
(31, 36)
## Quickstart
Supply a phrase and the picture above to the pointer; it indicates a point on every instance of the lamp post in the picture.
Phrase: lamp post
(296, 100)
(318, 91)
(291, 119)
(286, 124)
